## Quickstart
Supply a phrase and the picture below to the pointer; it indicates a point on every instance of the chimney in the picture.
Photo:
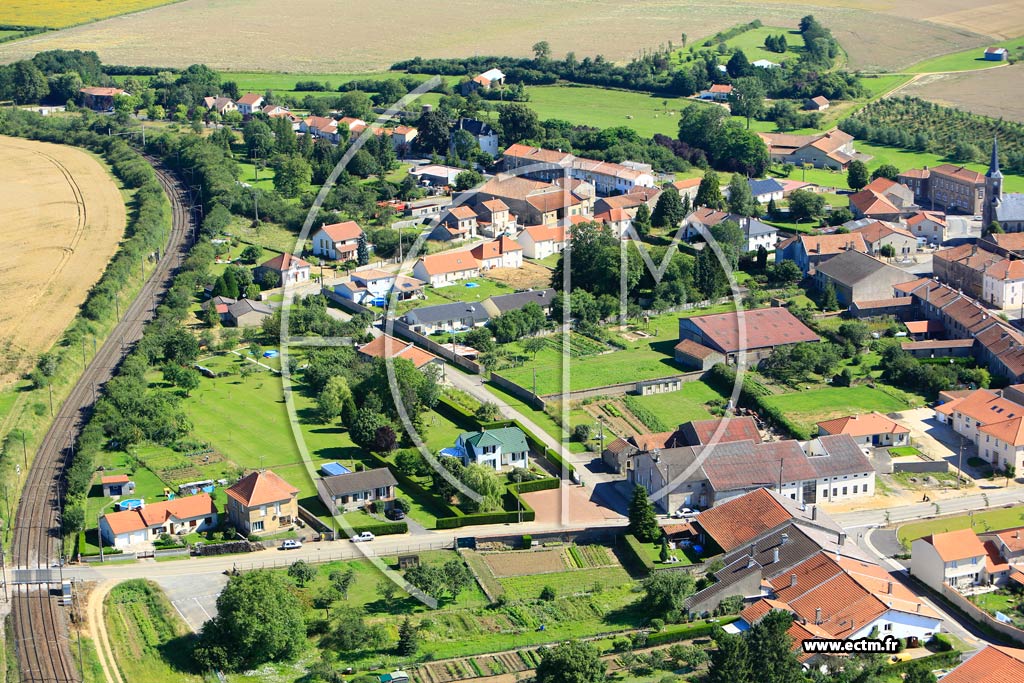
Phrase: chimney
(814, 513)
(817, 616)
(918, 607)
(888, 589)
(784, 539)
(752, 548)
(842, 538)
(751, 562)
(775, 556)
(1016, 534)
(792, 580)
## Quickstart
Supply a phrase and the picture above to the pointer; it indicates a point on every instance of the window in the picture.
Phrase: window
(844, 490)
(277, 508)
(835, 492)
(263, 511)
(888, 627)
(257, 525)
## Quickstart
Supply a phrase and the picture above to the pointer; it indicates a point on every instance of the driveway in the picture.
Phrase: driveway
(938, 440)
(193, 596)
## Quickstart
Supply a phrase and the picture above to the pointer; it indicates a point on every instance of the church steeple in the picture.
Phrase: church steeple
(993, 164)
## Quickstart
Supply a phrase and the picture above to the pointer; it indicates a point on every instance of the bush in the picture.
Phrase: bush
(527, 541)
(547, 593)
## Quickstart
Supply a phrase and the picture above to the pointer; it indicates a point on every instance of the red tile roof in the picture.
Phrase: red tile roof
(873, 232)
(386, 346)
(832, 244)
(283, 262)
(725, 430)
(495, 248)
(763, 327)
(959, 173)
(545, 233)
(115, 479)
(261, 488)
(720, 88)
(863, 425)
(250, 98)
(98, 91)
(1006, 270)
(924, 326)
(922, 216)
(189, 507)
(342, 232)
(1013, 539)
(956, 545)
(739, 521)
(693, 349)
(993, 664)
(449, 262)
(870, 203)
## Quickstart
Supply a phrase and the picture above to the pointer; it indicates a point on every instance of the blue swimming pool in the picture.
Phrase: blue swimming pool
(471, 285)
(129, 504)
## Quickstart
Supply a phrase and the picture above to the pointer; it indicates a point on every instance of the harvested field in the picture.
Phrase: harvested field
(61, 13)
(530, 275)
(153, 37)
(63, 217)
(993, 92)
(526, 562)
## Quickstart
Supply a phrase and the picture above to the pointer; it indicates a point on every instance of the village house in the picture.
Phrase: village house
(535, 202)
(146, 523)
(386, 346)
(810, 251)
(858, 277)
(493, 218)
(764, 329)
(492, 78)
(541, 241)
(618, 221)
(401, 139)
(878, 234)
(503, 252)
(871, 429)
(628, 203)
(453, 317)
(930, 226)
(884, 200)
(765, 189)
(832, 149)
(1009, 244)
(964, 267)
(694, 356)
(949, 188)
(320, 127)
(374, 286)
(458, 225)
(485, 136)
(1003, 284)
(700, 221)
(287, 269)
(503, 303)
(261, 502)
(358, 490)
(337, 241)
(687, 188)
(956, 558)
(500, 449)
(606, 177)
(100, 98)
(249, 104)
(446, 267)
(991, 422)
(718, 92)
(220, 105)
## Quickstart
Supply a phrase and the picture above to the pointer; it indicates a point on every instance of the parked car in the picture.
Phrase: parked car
(395, 514)
(684, 513)
(291, 544)
(362, 536)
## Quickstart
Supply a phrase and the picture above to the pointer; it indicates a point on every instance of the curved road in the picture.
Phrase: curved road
(40, 629)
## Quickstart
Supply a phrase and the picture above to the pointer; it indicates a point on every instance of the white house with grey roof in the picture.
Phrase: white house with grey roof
(824, 469)
(503, 303)
(499, 449)
(758, 234)
(454, 317)
(357, 490)
(485, 136)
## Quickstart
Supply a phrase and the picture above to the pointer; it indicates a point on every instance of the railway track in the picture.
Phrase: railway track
(40, 627)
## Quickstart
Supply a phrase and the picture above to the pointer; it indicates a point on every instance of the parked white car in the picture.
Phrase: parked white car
(362, 536)
(291, 544)
(684, 513)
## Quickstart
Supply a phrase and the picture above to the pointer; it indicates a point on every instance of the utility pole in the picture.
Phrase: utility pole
(50, 388)
(959, 463)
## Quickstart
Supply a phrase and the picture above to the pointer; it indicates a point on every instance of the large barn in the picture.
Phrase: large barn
(755, 333)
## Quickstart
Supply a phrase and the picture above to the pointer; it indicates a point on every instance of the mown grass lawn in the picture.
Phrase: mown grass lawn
(982, 520)
(808, 407)
(752, 44)
(968, 60)
(680, 406)
(484, 289)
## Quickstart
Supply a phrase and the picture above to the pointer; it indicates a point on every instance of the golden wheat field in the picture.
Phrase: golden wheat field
(61, 218)
(62, 13)
(341, 36)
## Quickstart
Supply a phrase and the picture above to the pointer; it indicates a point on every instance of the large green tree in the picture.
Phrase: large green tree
(259, 619)
(770, 649)
(664, 593)
(857, 174)
(292, 174)
(709, 194)
(668, 212)
(741, 200)
(747, 98)
(571, 662)
(519, 122)
(730, 660)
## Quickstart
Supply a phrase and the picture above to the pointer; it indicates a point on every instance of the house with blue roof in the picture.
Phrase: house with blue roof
(766, 189)
(501, 449)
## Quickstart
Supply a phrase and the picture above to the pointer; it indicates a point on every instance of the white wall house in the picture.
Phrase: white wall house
(446, 267)
(953, 557)
(541, 241)
(337, 241)
(1003, 284)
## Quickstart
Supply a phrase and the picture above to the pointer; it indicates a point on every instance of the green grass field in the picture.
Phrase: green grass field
(876, 85)
(969, 60)
(809, 407)
(149, 641)
(982, 521)
(752, 44)
(680, 406)
(565, 583)
(592, 106)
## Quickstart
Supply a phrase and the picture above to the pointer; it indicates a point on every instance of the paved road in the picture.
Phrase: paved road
(947, 506)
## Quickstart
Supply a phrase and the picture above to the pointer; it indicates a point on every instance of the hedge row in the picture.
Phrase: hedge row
(456, 413)
(545, 484)
(637, 554)
(381, 528)
(752, 395)
(671, 634)
(937, 661)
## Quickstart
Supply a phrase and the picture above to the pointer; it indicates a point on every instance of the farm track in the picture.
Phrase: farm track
(40, 631)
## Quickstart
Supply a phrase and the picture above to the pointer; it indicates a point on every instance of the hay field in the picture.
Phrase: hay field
(61, 219)
(347, 36)
(994, 92)
(63, 13)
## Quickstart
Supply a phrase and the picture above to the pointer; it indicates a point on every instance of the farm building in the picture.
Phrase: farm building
(247, 313)
(262, 502)
(694, 356)
(832, 149)
(818, 103)
(859, 277)
(996, 54)
(500, 449)
(117, 485)
(357, 490)
(145, 524)
(98, 98)
(763, 330)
